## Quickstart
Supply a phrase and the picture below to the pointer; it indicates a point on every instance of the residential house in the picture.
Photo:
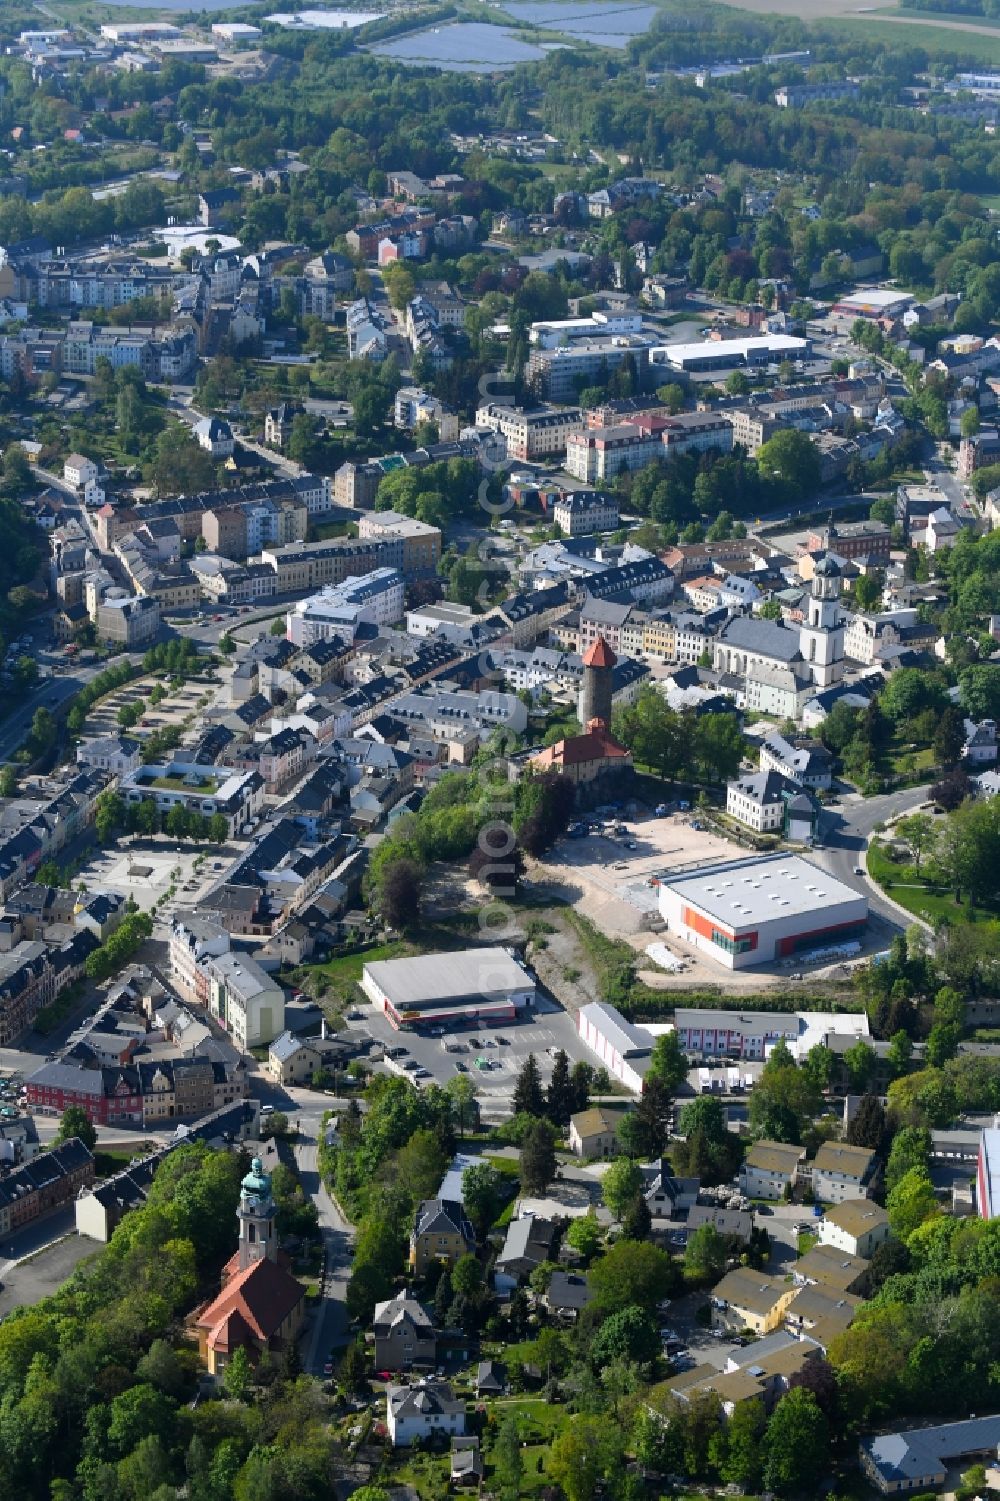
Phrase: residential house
(404, 1335)
(43, 1184)
(294, 1060)
(567, 1294)
(842, 1172)
(424, 1411)
(669, 1198)
(747, 1299)
(806, 762)
(491, 1379)
(441, 1232)
(530, 1240)
(593, 1133)
(858, 1226)
(918, 1459)
(466, 1462)
(770, 1169)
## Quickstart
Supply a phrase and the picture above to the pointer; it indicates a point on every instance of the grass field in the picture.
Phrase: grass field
(904, 884)
(942, 36)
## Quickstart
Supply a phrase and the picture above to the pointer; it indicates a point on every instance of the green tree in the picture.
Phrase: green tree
(651, 1118)
(630, 1135)
(668, 1061)
(632, 1272)
(742, 1462)
(75, 1121)
(900, 1051)
(796, 1446)
(911, 1202)
(584, 1235)
(399, 892)
(620, 1184)
(867, 1128)
(529, 1098)
(237, 1379)
(508, 1465)
(919, 830)
(860, 1061)
(482, 1195)
(793, 459)
(575, 1459)
(537, 1158)
(462, 1093)
(466, 1276)
(559, 1096)
(949, 738)
(706, 1253)
(629, 1334)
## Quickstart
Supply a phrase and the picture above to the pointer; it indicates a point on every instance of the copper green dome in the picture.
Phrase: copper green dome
(256, 1181)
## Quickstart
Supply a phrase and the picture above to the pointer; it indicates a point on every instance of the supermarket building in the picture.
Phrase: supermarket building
(759, 911)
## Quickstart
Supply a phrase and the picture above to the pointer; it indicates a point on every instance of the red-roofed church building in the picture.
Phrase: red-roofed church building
(261, 1304)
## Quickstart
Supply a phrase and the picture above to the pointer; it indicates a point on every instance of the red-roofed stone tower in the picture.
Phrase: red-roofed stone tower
(595, 693)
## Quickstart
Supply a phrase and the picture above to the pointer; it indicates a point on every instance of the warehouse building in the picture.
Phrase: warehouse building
(624, 1049)
(725, 354)
(988, 1175)
(758, 911)
(485, 985)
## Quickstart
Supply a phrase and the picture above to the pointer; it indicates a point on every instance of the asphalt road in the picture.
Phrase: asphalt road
(846, 831)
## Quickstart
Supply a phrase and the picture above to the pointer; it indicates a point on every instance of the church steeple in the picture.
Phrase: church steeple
(821, 634)
(256, 1215)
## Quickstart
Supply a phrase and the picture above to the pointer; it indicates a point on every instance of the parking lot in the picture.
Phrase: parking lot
(547, 1028)
(613, 881)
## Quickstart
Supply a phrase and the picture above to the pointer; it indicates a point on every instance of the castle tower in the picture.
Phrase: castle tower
(821, 635)
(595, 693)
(256, 1215)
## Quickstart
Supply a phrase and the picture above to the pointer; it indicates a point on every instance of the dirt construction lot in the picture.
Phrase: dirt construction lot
(611, 885)
(614, 882)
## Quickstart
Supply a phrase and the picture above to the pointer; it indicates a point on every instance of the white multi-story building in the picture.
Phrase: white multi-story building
(376, 598)
(578, 513)
(842, 1172)
(111, 753)
(242, 997)
(530, 434)
(597, 454)
(208, 790)
(245, 999)
(857, 1226)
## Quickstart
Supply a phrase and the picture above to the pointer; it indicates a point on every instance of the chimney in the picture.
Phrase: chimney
(322, 1028)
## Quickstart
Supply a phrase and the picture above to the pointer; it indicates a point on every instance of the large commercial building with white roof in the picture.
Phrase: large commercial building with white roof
(482, 985)
(757, 911)
(721, 354)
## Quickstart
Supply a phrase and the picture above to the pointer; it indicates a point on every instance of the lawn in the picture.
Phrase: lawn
(344, 972)
(807, 1239)
(933, 38)
(905, 885)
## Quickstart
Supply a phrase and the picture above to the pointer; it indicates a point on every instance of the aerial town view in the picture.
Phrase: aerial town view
(499, 781)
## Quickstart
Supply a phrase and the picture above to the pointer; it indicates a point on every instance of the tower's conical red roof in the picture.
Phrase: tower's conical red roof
(600, 655)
